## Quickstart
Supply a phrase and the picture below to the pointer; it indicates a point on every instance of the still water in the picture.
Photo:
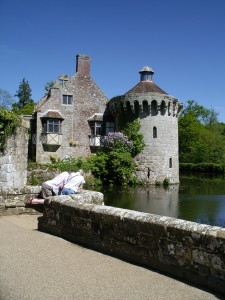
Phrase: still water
(198, 198)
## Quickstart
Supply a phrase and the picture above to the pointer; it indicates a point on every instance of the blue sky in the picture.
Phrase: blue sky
(183, 41)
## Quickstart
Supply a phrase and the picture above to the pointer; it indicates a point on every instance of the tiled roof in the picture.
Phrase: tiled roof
(146, 87)
(96, 117)
(53, 115)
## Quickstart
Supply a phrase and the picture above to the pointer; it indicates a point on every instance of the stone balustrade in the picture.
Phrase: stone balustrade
(13, 200)
(187, 250)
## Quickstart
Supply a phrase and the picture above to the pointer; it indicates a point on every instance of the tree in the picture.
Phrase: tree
(48, 86)
(23, 94)
(205, 115)
(6, 99)
(27, 109)
(201, 138)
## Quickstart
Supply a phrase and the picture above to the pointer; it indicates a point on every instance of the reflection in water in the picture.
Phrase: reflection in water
(197, 198)
(157, 200)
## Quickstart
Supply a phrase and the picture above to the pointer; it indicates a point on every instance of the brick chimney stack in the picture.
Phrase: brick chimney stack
(83, 64)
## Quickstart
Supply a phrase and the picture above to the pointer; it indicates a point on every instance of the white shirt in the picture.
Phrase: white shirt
(74, 181)
(57, 181)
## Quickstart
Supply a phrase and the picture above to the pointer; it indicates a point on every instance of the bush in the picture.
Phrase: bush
(71, 165)
(166, 182)
(203, 167)
(9, 121)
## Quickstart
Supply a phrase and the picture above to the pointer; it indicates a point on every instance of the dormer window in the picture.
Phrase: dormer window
(63, 81)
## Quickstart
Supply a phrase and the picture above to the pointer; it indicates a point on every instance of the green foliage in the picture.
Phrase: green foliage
(27, 109)
(203, 115)
(113, 163)
(131, 130)
(121, 166)
(48, 86)
(23, 94)
(73, 164)
(98, 166)
(201, 137)
(113, 168)
(203, 167)
(166, 182)
(9, 121)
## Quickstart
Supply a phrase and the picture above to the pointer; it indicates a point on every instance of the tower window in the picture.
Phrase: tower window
(154, 108)
(170, 162)
(154, 132)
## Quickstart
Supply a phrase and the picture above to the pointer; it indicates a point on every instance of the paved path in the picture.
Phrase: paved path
(36, 266)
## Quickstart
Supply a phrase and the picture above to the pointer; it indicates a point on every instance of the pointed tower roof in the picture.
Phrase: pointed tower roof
(146, 85)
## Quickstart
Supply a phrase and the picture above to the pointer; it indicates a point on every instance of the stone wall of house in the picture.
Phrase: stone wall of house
(186, 250)
(87, 100)
(13, 162)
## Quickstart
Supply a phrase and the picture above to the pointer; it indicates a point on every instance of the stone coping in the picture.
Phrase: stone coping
(187, 250)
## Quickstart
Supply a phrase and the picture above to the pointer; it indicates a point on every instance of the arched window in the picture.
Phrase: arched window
(154, 132)
(170, 162)
(145, 107)
(154, 108)
(136, 107)
(163, 108)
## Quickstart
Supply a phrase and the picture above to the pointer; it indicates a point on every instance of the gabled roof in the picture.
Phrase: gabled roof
(146, 87)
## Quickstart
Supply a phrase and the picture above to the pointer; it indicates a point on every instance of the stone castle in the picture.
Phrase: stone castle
(71, 121)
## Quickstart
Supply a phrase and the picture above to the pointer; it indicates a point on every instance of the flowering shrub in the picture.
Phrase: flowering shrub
(117, 141)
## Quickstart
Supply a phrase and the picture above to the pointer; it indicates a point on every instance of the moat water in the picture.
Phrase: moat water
(198, 198)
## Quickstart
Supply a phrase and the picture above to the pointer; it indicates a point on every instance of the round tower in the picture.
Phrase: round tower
(158, 114)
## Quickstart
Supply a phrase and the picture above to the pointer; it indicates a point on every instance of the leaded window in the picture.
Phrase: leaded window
(52, 126)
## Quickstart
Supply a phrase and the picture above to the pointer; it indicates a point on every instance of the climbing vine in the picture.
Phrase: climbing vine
(9, 121)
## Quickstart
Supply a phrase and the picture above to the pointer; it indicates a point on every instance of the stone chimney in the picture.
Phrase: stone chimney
(83, 64)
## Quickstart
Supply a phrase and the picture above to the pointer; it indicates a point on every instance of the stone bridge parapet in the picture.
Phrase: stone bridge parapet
(187, 250)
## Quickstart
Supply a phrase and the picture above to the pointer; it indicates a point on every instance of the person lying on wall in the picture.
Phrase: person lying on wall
(62, 184)
(73, 184)
(50, 188)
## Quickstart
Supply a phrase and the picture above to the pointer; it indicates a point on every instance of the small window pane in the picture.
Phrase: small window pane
(109, 127)
(64, 99)
(67, 99)
(53, 126)
(98, 130)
